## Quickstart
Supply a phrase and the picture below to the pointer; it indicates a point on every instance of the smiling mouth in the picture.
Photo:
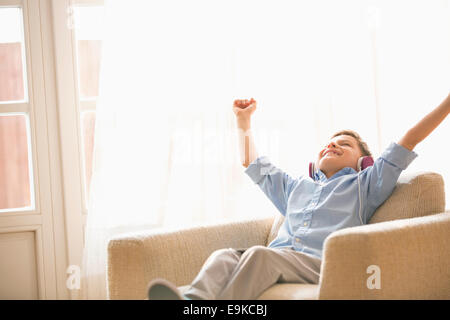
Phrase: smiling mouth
(332, 153)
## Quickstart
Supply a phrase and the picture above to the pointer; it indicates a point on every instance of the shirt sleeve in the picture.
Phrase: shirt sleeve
(380, 179)
(276, 184)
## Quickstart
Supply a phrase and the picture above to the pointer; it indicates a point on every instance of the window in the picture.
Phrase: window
(12, 56)
(16, 176)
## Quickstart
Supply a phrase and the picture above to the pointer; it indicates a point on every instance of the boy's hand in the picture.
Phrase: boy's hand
(244, 108)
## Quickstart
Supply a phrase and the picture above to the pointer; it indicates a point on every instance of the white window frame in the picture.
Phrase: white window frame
(46, 219)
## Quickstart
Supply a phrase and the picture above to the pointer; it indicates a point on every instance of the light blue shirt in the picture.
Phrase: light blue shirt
(315, 209)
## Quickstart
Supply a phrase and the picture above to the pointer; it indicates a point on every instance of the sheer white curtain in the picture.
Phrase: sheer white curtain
(166, 145)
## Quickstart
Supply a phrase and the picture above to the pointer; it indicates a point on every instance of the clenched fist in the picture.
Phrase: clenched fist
(243, 109)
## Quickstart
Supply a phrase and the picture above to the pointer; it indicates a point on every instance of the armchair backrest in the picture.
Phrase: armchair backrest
(416, 194)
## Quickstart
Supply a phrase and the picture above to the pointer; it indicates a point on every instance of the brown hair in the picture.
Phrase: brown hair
(362, 145)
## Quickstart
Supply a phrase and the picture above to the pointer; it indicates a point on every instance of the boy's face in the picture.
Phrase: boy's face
(342, 151)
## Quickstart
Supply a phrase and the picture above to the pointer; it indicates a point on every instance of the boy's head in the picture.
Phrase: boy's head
(343, 150)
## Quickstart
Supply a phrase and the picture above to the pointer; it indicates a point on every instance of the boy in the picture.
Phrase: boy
(340, 195)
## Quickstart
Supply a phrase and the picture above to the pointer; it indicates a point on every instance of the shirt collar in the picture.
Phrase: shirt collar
(321, 177)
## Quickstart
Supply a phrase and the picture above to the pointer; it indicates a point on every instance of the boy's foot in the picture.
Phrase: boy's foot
(161, 289)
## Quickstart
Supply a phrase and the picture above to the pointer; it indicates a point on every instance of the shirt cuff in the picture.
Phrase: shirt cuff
(398, 155)
(259, 168)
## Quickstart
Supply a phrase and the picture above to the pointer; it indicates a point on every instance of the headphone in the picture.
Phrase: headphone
(363, 163)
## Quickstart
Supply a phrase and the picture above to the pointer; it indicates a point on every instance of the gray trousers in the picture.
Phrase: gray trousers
(244, 274)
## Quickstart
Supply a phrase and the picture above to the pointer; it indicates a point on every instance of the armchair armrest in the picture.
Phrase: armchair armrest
(176, 255)
(413, 256)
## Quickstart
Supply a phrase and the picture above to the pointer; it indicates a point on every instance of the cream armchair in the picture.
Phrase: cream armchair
(408, 239)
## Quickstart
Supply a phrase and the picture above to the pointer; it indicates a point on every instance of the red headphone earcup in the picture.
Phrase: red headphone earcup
(366, 161)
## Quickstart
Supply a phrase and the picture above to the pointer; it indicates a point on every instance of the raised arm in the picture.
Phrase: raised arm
(243, 109)
(276, 184)
(425, 126)
(379, 180)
